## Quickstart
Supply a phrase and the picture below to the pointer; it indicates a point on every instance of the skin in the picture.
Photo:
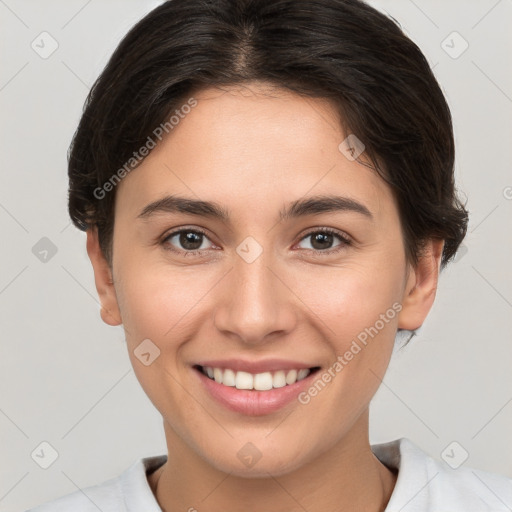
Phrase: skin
(254, 150)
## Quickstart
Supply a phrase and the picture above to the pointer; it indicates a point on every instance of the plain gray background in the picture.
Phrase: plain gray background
(65, 376)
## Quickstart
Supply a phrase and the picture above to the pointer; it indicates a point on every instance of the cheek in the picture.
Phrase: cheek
(159, 307)
(158, 303)
(357, 312)
(347, 300)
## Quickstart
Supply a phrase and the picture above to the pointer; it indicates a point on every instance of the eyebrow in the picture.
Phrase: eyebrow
(300, 208)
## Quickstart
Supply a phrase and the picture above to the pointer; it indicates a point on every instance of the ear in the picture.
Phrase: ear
(110, 312)
(421, 286)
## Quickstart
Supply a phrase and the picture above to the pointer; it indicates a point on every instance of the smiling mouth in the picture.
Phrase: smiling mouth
(258, 381)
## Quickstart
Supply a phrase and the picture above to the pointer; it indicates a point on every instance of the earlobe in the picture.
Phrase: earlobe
(421, 287)
(109, 312)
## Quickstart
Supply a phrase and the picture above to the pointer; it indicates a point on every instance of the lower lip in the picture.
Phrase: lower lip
(251, 402)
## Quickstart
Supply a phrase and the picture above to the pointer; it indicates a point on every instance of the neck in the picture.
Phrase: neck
(346, 478)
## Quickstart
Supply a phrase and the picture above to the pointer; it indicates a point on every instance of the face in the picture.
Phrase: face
(254, 292)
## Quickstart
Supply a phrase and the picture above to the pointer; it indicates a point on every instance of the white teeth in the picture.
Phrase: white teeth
(217, 375)
(303, 373)
(262, 381)
(228, 379)
(259, 381)
(291, 377)
(279, 379)
(243, 380)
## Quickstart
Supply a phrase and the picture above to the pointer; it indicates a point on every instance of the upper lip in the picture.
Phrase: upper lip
(266, 365)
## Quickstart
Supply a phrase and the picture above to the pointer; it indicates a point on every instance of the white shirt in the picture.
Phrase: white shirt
(423, 485)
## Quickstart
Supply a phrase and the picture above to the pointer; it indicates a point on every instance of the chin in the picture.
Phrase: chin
(246, 459)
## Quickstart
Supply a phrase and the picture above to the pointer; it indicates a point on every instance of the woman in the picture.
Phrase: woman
(268, 194)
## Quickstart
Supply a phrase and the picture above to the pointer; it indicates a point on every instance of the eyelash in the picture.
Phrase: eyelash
(345, 241)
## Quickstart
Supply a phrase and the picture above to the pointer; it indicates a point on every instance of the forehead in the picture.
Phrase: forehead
(251, 147)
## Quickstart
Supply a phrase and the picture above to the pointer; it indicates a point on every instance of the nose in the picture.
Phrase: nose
(256, 304)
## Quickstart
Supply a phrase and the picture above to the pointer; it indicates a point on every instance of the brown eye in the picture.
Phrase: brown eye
(322, 240)
(185, 241)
